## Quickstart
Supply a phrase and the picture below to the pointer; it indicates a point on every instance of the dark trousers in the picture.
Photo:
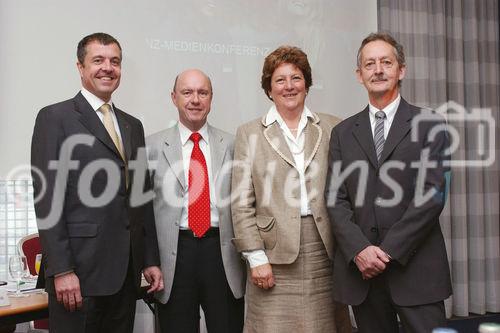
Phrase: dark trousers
(200, 280)
(377, 314)
(99, 314)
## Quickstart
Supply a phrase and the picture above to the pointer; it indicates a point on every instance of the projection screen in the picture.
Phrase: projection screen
(228, 39)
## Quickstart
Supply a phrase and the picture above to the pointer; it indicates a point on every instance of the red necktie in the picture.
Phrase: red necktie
(199, 194)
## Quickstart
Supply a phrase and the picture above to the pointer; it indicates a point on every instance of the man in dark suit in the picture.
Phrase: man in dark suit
(385, 193)
(96, 239)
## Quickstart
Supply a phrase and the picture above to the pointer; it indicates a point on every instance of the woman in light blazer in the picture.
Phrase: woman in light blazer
(279, 214)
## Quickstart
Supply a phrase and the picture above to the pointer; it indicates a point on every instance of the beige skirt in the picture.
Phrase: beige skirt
(302, 299)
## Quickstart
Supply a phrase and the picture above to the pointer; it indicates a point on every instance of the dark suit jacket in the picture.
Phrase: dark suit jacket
(409, 233)
(97, 240)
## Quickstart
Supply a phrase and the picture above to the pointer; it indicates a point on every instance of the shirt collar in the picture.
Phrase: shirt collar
(185, 132)
(389, 110)
(273, 115)
(94, 101)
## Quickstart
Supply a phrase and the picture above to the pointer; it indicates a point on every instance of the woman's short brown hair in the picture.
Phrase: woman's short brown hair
(285, 54)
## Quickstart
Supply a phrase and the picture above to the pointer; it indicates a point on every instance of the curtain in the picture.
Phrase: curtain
(452, 56)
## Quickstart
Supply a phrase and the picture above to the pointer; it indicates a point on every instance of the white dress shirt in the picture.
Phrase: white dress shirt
(187, 148)
(296, 146)
(95, 102)
(390, 112)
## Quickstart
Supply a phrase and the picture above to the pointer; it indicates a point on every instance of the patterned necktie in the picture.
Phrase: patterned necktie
(378, 137)
(110, 127)
(109, 124)
(199, 194)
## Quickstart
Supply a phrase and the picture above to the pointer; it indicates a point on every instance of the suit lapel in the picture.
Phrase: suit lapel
(401, 125)
(217, 151)
(173, 154)
(276, 140)
(91, 121)
(313, 133)
(363, 133)
(125, 131)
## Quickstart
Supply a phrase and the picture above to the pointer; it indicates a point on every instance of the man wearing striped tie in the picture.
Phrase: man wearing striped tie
(95, 239)
(385, 192)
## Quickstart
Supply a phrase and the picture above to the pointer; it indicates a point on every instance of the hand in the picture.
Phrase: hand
(262, 276)
(68, 291)
(371, 261)
(154, 277)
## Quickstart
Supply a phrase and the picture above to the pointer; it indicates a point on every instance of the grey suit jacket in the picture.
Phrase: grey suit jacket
(165, 160)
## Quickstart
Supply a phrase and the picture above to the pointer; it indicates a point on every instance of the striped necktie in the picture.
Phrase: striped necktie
(378, 136)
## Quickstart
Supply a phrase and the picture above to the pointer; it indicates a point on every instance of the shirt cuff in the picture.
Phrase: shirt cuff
(255, 258)
(63, 273)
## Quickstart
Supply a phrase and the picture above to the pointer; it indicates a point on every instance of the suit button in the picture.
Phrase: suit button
(127, 227)
(378, 201)
(177, 223)
(373, 229)
(313, 200)
(173, 253)
(319, 219)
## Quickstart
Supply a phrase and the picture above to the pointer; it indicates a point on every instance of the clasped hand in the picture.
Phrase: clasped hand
(371, 261)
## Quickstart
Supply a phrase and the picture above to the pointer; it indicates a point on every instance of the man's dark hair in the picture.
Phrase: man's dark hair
(100, 37)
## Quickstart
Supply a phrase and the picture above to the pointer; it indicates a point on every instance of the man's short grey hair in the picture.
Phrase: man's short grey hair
(383, 36)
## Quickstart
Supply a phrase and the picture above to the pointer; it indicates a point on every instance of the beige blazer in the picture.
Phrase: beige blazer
(266, 188)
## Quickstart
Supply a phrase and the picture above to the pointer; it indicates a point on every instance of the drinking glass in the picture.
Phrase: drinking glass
(18, 268)
(38, 262)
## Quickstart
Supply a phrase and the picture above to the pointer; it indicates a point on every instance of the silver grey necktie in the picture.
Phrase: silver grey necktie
(378, 136)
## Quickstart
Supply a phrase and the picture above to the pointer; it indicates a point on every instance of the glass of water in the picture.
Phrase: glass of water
(18, 268)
